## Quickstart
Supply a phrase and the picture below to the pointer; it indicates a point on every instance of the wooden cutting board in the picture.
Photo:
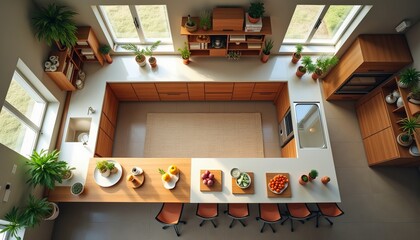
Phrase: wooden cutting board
(286, 194)
(217, 186)
(248, 190)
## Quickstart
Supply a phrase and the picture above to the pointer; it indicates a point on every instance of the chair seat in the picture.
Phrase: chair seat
(238, 210)
(269, 212)
(170, 213)
(329, 209)
(298, 210)
(207, 210)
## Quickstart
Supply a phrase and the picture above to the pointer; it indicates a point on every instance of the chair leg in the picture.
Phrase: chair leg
(231, 223)
(272, 228)
(262, 227)
(183, 222)
(214, 224)
(176, 230)
(166, 227)
(243, 224)
(202, 222)
(331, 223)
(291, 224)
(282, 222)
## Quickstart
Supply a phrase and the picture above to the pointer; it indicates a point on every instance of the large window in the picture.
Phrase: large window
(21, 116)
(139, 24)
(320, 24)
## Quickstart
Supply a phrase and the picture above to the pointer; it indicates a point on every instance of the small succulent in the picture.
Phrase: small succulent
(313, 173)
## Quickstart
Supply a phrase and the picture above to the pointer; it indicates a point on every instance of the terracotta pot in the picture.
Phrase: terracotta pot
(253, 20)
(300, 72)
(264, 57)
(108, 58)
(295, 58)
(152, 62)
(301, 180)
(316, 75)
(325, 179)
(186, 61)
(141, 61)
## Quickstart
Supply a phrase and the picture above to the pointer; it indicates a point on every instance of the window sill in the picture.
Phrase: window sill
(311, 49)
(160, 49)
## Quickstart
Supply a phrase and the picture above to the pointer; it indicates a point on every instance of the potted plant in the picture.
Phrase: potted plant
(16, 223)
(149, 52)
(414, 95)
(190, 25)
(139, 53)
(323, 64)
(111, 167)
(307, 66)
(45, 168)
(68, 173)
(408, 78)
(77, 188)
(312, 174)
(303, 179)
(255, 11)
(205, 20)
(185, 53)
(298, 54)
(408, 126)
(102, 167)
(105, 49)
(404, 139)
(55, 24)
(36, 210)
(234, 55)
(268, 45)
(325, 179)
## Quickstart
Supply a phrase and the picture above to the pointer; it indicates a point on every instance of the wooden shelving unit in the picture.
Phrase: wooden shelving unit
(87, 45)
(70, 63)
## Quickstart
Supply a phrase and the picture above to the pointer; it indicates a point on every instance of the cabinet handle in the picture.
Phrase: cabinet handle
(173, 93)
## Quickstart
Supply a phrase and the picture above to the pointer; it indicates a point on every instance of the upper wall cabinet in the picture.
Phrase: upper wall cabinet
(87, 45)
(369, 61)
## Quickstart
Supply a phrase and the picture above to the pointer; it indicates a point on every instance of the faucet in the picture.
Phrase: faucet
(91, 110)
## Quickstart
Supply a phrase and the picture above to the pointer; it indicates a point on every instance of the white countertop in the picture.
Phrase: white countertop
(171, 69)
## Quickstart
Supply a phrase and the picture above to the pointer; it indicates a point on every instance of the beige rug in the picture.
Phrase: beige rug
(204, 135)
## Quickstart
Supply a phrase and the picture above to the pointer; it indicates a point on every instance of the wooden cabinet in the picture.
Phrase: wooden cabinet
(172, 91)
(218, 91)
(247, 43)
(196, 91)
(103, 145)
(283, 102)
(146, 91)
(243, 91)
(385, 53)
(66, 74)
(124, 91)
(87, 45)
(379, 127)
(289, 150)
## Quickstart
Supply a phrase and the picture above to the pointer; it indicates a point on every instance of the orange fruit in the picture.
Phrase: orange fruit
(173, 170)
(166, 177)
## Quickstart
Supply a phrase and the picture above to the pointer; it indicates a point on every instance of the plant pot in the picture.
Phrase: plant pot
(114, 170)
(402, 85)
(405, 143)
(295, 58)
(264, 57)
(300, 71)
(54, 213)
(253, 20)
(186, 61)
(205, 28)
(413, 100)
(77, 188)
(108, 58)
(317, 74)
(192, 28)
(301, 181)
(152, 62)
(325, 180)
(106, 173)
(68, 176)
(141, 61)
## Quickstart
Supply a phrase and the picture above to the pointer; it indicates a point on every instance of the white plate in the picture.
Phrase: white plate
(413, 150)
(108, 181)
(171, 184)
(285, 187)
(83, 137)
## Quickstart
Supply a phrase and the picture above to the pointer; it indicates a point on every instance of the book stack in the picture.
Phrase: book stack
(252, 27)
(88, 53)
(237, 38)
(254, 45)
(69, 73)
(198, 46)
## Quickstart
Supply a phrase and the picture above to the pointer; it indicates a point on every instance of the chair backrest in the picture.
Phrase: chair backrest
(238, 210)
(170, 213)
(269, 212)
(298, 210)
(207, 210)
(330, 209)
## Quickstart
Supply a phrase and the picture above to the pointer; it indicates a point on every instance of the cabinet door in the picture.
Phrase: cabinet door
(103, 144)
(124, 91)
(267, 87)
(196, 91)
(282, 103)
(173, 96)
(171, 87)
(218, 87)
(263, 96)
(218, 96)
(242, 91)
(146, 91)
(373, 116)
(110, 107)
(107, 126)
(381, 146)
(289, 150)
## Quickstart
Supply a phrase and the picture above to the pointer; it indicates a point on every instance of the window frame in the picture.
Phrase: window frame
(137, 24)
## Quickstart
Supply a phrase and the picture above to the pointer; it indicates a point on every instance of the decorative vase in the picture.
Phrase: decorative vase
(390, 98)
(396, 93)
(400, 102)
(55, 211)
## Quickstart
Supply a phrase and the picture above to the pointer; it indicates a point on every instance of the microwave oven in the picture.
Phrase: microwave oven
(286, 129)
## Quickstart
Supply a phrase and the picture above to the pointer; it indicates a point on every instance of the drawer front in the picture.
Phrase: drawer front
(267, 87)
(218, 87)
(146, 91)
(174, 96)
(263, 96)
(171, 87)
(218, 52)
(124, 91)
(218, 96)
(106, 126)
(242, 91)
(196, 91)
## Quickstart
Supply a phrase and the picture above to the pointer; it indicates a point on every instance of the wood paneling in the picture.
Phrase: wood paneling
(218, 96)
(218, 87)
(110, 106)
(289, 150)
(124, 91)
(174, 96)
(267, 87)
(103, 144)
(196, 91)
(282, 102)
(242, 91)
(146, 91)
(106, 126)
(171, 87)
(151, 191)
(381, 147)
(263, 96)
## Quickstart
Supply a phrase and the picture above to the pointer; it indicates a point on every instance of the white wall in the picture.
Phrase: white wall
(413, 38)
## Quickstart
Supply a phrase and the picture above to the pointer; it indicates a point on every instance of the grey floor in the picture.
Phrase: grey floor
(379, 203)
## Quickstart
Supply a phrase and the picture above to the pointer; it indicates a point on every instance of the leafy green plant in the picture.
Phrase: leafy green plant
(104, 49)
(16, 222)
(415, 92)
(36, 210)
(102, 166)
(55, 24)
(45, 169)
(268, 45)
(323, 64)
(185, 53)
(139, 53)
(205, 20)
(298, 52)
(149, 50)
(256, 9)
(313, 173)
(304, 178)
(307, 65)
(234, 55)
(410, 77)
(409, 125)
(190, 22)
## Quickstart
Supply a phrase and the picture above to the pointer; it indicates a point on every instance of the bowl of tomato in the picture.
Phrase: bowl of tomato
(278, 184)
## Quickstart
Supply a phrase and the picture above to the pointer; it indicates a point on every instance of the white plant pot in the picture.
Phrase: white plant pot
(402, 143)
(77, 194)
(402, 85)
(106, 173)
(412, 100)
(55, 212)
(71, 175)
